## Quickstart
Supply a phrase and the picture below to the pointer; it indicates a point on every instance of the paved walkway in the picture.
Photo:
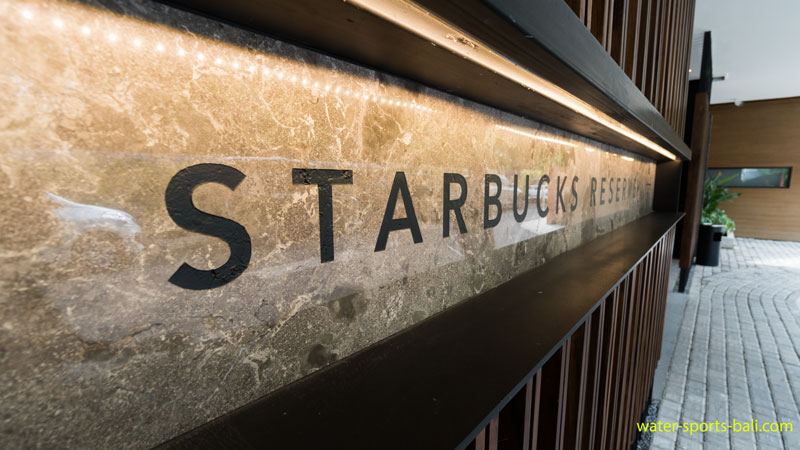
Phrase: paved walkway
(737, 350)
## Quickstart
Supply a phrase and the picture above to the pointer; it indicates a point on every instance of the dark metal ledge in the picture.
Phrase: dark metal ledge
(433, 385)
(543, 36)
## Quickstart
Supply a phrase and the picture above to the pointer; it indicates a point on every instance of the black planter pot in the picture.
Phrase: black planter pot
(708, 241)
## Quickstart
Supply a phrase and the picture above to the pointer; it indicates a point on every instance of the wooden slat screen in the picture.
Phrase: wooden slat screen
(593, 390)
(651, 42)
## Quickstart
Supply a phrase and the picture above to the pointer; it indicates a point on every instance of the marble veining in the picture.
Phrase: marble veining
(103, 105)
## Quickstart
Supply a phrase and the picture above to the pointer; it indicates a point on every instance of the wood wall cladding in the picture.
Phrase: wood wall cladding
(760, 134)
(590, 394)
(651, 42)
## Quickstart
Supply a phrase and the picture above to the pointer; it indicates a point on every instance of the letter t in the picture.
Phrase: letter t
(324, 179)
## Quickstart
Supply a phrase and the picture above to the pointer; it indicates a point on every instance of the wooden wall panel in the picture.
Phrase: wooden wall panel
(650, 40)
(760, 134)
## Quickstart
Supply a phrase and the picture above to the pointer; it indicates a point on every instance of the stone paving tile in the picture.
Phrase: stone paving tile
(737, 354)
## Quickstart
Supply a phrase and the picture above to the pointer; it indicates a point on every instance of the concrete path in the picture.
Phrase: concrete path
(737, 352)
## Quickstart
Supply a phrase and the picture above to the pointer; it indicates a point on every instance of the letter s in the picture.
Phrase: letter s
(182, 211)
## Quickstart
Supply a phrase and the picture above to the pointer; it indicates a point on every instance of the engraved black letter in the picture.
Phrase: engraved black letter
(324, 179)
(542, 212)
(624, 187)
(560, 193)
(491, 200)
(574, 195)
(181, 210)
(610, 190)
(602, 190)
(455, 205)
(389, 224)
(520, 217)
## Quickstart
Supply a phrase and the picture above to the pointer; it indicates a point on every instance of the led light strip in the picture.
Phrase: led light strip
(142, 44)
(417, 20)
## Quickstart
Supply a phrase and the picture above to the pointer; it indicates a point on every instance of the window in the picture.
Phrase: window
(753, 177)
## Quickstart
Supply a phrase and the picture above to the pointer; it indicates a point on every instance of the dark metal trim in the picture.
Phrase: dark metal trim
(543, 36)
(437, 384)
(706, 66)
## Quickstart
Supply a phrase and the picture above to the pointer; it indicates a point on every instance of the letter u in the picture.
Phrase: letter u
(517, 216)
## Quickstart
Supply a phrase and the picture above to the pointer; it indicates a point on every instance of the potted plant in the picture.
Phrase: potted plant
(714, 222)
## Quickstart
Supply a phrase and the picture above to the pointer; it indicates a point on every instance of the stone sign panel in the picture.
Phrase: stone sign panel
(195, 215)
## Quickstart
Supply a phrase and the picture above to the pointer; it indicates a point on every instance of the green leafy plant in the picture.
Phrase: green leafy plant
(715, 193)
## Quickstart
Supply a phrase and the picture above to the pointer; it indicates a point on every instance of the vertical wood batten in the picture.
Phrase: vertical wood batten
(587, 18)
(576, 386)
(621, 380)
(625, 347)
(680, 69)
(687, 62)
(650, 330)
(678, 64)
(635, 355)
(663, 66)
(624, 381)
(494, 426)
(666, 44)
(596, 372)
(645, 380)
(632, 38)
(655, 269)
(563, 394)
(644, 45)
(480, 441)
(537, 396)
(550, 396)
(666, 100)
(668, 88)
(658, 51)
(658, 275)
(655, 48)
(616, 366)
(642, 352)
(662, 271)
(611, 337)
(644, 359)
(620, 31)
(513, 429)
(587, 385)
(526, 436)
(648, 322)
(662, 316)
(687, 50)
(609, 26)
(599, 20)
